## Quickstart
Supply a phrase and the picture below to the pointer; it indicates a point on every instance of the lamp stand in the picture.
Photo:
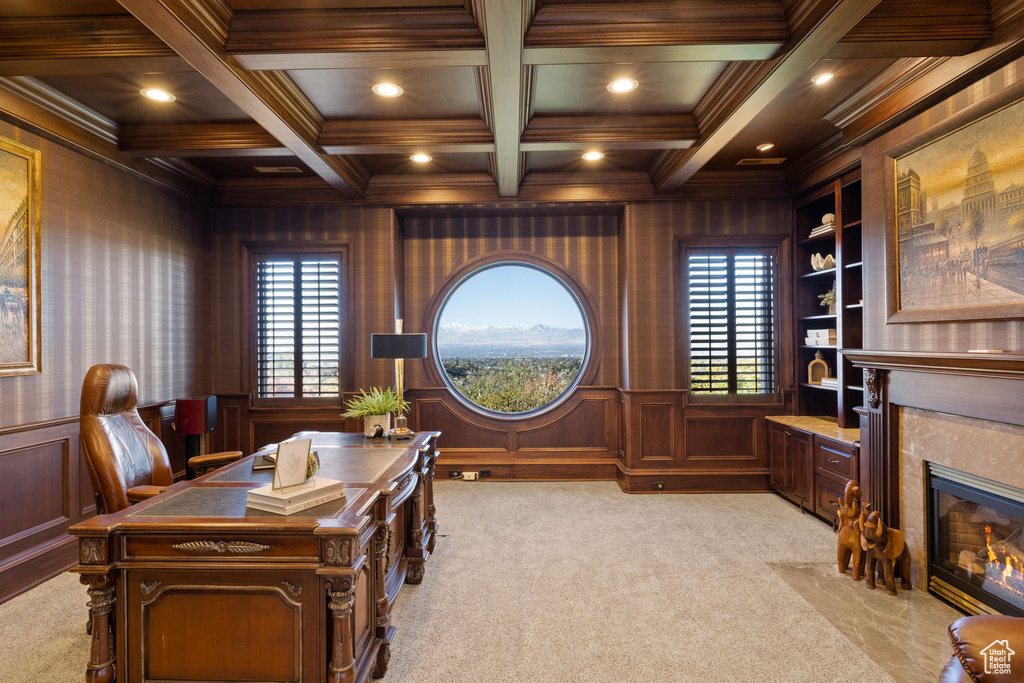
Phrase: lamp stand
(401, 432)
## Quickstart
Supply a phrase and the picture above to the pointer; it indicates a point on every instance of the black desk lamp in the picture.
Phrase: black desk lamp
(399, 346)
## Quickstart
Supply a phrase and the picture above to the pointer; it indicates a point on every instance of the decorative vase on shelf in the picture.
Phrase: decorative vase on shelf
(832, 308)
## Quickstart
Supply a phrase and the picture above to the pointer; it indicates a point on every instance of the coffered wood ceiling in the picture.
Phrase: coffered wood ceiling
(505, 95)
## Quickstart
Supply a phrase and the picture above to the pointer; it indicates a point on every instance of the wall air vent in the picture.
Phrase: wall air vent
(278, 169)
(767, 161)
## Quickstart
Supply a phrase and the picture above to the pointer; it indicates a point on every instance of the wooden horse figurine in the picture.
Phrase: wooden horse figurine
(884, 547)
(849, 544)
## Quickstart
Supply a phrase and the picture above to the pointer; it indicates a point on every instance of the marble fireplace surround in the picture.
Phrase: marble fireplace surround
(994, 450)
(961, 410)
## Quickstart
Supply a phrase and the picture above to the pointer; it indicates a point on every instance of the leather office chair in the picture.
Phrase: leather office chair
(972, 637)
(127, 462)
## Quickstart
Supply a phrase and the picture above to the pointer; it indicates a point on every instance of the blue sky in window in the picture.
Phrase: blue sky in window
(504, 296)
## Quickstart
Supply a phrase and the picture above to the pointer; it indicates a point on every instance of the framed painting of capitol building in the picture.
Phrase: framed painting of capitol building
(19, 259)
(955, 205)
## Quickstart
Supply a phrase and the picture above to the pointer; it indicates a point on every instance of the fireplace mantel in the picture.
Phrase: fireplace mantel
(993, 365)
(958, 386)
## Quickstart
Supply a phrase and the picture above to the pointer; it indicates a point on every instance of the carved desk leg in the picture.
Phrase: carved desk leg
(341, 590)
(382, 547)
(102, 655)
(431, 508)
(414, 575)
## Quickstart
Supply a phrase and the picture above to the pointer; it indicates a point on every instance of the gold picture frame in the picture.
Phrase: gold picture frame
(954, 199)
(20, 236)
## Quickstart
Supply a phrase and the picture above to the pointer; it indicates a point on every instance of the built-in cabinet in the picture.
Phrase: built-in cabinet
(828, 224)
(808, 468)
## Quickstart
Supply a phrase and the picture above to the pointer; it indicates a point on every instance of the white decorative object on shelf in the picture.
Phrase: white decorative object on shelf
(816, 262)
(828, 262)
(828, 219)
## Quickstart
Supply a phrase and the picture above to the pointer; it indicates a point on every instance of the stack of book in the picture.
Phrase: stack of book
(822, 229)
(820, 337)
(296, 498)
(830, 381)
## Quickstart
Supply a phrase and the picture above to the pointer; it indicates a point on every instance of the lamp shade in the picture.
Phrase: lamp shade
(398, 346)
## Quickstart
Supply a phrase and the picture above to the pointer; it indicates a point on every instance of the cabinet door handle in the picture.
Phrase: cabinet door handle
(833, 503)
(833, 461)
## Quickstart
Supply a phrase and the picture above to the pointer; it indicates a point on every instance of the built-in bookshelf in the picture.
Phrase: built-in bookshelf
(841, 238)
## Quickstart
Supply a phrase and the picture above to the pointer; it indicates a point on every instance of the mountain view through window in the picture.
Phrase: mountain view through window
(511, 338)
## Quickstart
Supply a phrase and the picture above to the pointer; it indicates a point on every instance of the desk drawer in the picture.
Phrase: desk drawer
(836, 460)
(222, 548)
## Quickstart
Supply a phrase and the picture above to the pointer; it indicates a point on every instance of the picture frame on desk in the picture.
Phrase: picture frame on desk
(20, 289)
(955, 217)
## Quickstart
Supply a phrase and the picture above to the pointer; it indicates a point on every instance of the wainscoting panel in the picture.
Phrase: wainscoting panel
(713, 439)
(45, 488)
(674, 445)
(577, 440)
(243, 428)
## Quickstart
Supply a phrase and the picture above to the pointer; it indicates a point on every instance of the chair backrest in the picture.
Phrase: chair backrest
(120, 450)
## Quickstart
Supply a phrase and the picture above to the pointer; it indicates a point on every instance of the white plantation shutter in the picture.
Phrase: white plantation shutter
(298, 325)
(731, 320)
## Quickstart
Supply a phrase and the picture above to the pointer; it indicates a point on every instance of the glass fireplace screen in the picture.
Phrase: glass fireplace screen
(978, 544)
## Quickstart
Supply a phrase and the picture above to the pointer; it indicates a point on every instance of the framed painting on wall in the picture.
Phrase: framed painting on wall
(955, 207)
(20, 352)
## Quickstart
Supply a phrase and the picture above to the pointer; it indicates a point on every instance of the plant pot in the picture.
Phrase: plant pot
(371, 421)
(832, 308)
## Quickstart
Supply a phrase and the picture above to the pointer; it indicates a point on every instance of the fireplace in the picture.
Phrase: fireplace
(976, 542)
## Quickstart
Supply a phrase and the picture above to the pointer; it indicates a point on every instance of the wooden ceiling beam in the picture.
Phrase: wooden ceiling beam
(654, 131)
(917, 28)
(506, 89)
(406, 136)
(57, 46)
(196, 30)
(199, 139)
(672, 168)
(356, 39)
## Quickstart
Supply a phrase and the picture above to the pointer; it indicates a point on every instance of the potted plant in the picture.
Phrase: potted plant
(375, 407)
(829, 299)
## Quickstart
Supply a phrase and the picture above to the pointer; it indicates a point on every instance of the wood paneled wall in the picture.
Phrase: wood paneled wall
(650, 232)
(45, 488)
(957, 337)
(125, 271)
(373, 256)
(124, 279)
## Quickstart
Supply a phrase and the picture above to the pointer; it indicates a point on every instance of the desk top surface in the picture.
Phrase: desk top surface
(367, 467)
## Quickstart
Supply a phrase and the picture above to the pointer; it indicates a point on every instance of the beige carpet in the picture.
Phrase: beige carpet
(567, 582)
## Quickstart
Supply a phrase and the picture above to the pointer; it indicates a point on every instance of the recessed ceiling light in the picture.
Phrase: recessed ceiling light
(621, 85)
(765, 147)
(593, 156)
(822, 78)
(157, 94)
(387, 89)
(421, 158)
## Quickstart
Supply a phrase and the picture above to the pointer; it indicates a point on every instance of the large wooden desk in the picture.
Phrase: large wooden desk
(193, 586)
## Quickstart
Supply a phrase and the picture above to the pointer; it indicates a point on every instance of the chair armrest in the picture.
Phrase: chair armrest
(201, 463)
(140, 493)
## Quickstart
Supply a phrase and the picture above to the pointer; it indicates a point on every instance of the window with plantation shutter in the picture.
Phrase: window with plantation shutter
(731, 322)
(298, 327)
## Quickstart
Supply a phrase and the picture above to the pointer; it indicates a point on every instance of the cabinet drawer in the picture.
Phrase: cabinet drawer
(835, 459)
(827, 497)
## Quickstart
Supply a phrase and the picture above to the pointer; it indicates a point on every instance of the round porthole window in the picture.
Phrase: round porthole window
(511, 338)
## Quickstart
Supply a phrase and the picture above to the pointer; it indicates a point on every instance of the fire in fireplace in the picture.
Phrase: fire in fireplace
(976, 553)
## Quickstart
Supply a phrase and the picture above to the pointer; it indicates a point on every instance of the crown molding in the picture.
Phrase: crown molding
(71, 111)
(828, 160)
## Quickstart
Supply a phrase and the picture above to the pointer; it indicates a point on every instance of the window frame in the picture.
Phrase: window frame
(782, 357)
(258, 251)
(591, 361)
